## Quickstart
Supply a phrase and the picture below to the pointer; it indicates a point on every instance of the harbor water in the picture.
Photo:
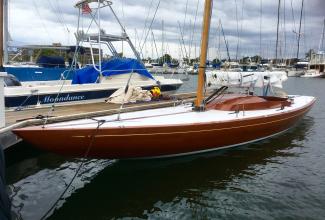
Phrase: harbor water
(280, 178)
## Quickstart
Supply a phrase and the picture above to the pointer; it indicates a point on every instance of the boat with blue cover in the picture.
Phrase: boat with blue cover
(94, 82)
(87, 84)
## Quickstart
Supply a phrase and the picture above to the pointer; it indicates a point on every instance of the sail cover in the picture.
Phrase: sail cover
(245, 79)
(114, 66)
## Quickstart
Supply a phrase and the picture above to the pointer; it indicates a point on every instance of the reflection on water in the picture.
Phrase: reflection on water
(172, 187)
(38, 191)
(278, 178)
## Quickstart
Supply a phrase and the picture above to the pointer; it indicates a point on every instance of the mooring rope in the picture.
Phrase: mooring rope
(100, 123)
(20, 107)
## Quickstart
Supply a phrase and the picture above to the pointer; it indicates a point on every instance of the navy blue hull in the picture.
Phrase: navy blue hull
(68, 97)
(39, 74)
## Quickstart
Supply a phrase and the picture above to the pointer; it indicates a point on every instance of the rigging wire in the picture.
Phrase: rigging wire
(58, 6)
(123, 14)
(305, 33)
(293, 18)
(189, 45)
(261, 18)
(241, 22)
(59, 15)
(225, 40)
(237, 25)
(150, 26)
(74, 61)
(284, 29)
(145, 24)
(41, 19)
(299, 34)
(277, 32)
(182, 37)
(123, 20)
(321, 41)
(136, 39)
(182, 30)
(185, 16)
(63, 20)
(60, 18)
(181, 48)
(194, 27)
(162, 42)
(154, 41)
(219, 42)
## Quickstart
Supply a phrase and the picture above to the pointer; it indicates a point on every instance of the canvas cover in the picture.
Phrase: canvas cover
(132, 95)
(111, 67)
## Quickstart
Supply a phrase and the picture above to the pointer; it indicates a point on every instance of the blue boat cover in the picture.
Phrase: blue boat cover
(114, 66)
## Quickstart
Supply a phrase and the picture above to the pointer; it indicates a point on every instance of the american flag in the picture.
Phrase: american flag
(85, 8)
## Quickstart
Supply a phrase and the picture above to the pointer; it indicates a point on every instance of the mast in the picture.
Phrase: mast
(204, 50)
(162, 41)
(261, 14)
(277, 33)
(226, 42)
(323, 35)
(1, 35)
(321, 42)
(5, 32)
(299, 33)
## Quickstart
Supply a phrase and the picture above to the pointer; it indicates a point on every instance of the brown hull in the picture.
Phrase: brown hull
(159, 141)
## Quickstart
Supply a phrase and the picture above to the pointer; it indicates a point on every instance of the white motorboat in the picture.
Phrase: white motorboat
(95, 82)
(313, 73)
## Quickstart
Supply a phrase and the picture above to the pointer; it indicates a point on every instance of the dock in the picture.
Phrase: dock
(37, 116)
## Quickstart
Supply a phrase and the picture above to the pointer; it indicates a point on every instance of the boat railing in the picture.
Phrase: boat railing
(101, 37)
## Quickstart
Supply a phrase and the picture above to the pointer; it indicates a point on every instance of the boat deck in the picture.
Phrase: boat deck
(179, 115)
(80, 109)
(15, 119)
(13, 116)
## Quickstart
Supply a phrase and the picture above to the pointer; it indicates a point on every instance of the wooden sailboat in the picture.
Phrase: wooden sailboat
(220, 122)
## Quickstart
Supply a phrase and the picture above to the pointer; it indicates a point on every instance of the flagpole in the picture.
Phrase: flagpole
(204, 50)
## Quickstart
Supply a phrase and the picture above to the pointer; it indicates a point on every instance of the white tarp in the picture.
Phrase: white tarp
(245, 79)
(133, 94)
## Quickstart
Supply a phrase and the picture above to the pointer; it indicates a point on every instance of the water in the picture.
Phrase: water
(281, 178)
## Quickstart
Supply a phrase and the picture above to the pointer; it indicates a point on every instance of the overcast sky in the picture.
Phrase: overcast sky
(49, 21)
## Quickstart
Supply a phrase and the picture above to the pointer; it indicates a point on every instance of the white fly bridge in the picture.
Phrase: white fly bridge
(100, 38)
